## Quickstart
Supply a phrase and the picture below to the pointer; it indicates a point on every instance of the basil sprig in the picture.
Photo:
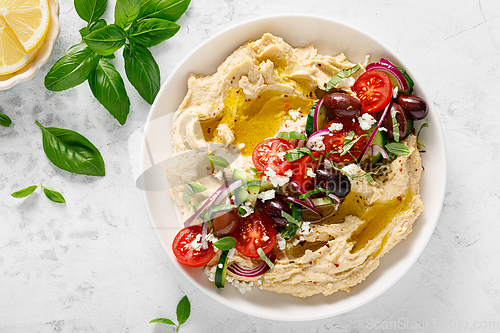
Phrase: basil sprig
(52, 194)
(138, 25)
(5, 121)
(398, 149)
(316, 190)
(226, 243)
(345, 73)
(71, 151)
(294, 222)
(183, 312)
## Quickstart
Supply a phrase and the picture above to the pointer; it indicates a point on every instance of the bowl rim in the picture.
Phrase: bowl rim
(43, 56)
(439, 195)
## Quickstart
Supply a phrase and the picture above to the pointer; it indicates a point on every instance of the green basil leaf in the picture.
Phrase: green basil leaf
(424, 125)
(219, 161)
(143, 72)
(53, 195)
(222, 207)
(72, 69)
(190, 188)
(163, 321)
(107, 40)
(71, 151)
(98, 25)
(108, 87)
(395, 126)
(153, 31)
(84, 31)
(264, 258)
(349, 142)
(308, 194)
(345, 73)
(126, 12)
(170, 10)
(226, 243)
(183, 310)
(90, 10)
(25, 192)
(296, 153)
(5, 121)
(291, 135)
(399, 149)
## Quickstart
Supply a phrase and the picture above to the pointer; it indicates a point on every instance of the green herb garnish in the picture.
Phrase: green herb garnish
(52, 194)
(183, 311)
(349, 142)
(395, 126)
(226, 243)
(5, 121)
(190, 188)
(294, 221)
(263, 256)
(291, 135)
(256, 171)
(345, 73)
(296, 153)
(398, 149)
(219, 161)
(316, 190)
(423, 125)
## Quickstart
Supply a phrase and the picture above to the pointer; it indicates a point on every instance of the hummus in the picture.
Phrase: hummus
(264, 87)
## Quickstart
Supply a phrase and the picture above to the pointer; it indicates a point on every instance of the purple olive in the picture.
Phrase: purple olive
(272, 208)
(342, 105)
(415, 107)
(225, 222)
(400, 118)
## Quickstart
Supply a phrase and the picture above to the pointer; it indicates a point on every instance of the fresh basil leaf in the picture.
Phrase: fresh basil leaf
(296, 153)
(153, 31)
(290, 218)
(291, 135)
(109, 89)
(222, 207)
(395, 126)
(399, 149)
(53, 195)
(71, 151)
(98, 25)
(349, 142)
(25, 192)
(90, 10)
(219, 161)
(142, 71)
(190, 188)
(345, 73)
(107, 40)
(226, 243)
(5, 121)
(256, 171)
(84, 31)
(170, 10)
(316, 190)
(126, 11)
(183, 310)
(163, 321)
(72, 69)
(288, 231)
(264, 258)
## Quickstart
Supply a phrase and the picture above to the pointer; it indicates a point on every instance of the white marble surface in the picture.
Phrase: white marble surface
(95, 265)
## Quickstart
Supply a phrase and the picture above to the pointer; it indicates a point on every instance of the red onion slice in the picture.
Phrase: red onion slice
(248, 272)
(302, 191)
(376, 149)
(385, 65)
(204, 234)
(302, 203)
(384, 113)
(315, 135)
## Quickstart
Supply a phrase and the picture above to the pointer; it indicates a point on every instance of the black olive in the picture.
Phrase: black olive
(225, 222)
(272, 208)
(333, 181)
(415, 107)
(400, 118)
(342, 105)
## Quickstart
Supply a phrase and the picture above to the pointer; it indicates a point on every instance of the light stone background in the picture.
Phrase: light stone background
(95, 265)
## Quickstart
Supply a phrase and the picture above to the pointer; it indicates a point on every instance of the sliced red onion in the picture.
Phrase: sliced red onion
(224, 193)
(385, 65)
(302, 191)
(204, 234)
(319, 117)
(315, 135)
(334, 198)
(376, 149)
(384, 113)
(302, 203)
(248, 272)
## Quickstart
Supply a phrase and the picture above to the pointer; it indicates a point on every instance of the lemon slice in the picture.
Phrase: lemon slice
(28, 19)
(12, 54)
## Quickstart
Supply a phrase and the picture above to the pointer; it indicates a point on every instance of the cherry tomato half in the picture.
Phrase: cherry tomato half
(300, 171)
(255, 231)
(185, 253)
(335, 142)
(374, 90)
(265, 155)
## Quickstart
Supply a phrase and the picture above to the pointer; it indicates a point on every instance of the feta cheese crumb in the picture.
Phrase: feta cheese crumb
(212, 238)
(305, 228)
(269, 172)
(210, 272)
(382, 129)
(395, 92)
(336, 127)
(352, 169)
(241, 286)
(317, 143)
(346, 83)
(265, 238)
(276, 180)
(196, 242)
(310, 173)
(289, 173)
(218, 174)
(281, 242)
(247, 207)
(366, 121)
(328, 164)
(266, 195)
(281, 155)
(294, 114)
(221, 266)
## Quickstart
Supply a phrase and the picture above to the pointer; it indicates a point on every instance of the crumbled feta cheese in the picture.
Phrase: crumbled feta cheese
(212, 238)
(305, 228)
(294, 114)
(252, 172)
(367, 60)
(218, 174)
(210, 272)
(395, 92)
(352, 169)
(276, 180)
(241, 286)
(281, 155)
(281, 242)
(289, 173)
(336, 127)
(221, 266)
(317, 143)
(382, 129)
(346, 83)
(265, 238)
(310, 173)
(247, 207)
(269, 172)
(266, 195)
(366, 121)
(196, 242)
(328, 164)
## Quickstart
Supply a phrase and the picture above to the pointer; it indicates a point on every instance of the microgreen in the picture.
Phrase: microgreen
(423, 125)
(226, 243)
(183, 311)
(52, 194)
(316, 190)
(345, 73)
(349, 142)
(219, 161)
(296, 153)
(398, 149)
(190, 188)
(5, 121)
(291, 135)
(138, 25)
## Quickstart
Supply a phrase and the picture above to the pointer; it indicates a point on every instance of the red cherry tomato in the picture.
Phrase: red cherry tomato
(185, 253)
(335, 142)
(255, 231)
(265, 155)
(374, 90)
(300, 168)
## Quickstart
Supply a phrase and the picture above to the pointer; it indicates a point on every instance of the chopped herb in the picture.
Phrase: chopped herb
(190, 188)
(219, 161)
(423, 125)
(263, 256)
(366, 174)
(395, 126)
(183, 311)
(398, 149)
(316, 190)
(290, 229)
(296, 153)
(226, 243)
(345, 73)
(349, 142)
(222, 207)
(291, 135)
(256, 171)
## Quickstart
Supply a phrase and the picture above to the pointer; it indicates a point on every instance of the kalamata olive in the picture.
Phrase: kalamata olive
(225, 222)
(272, 208)
(415, 107)
(400, 118)
(342, 105)
(333, 181)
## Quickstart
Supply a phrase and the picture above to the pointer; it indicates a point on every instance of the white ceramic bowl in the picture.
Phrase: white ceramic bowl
(27, 72)
(297, 30)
